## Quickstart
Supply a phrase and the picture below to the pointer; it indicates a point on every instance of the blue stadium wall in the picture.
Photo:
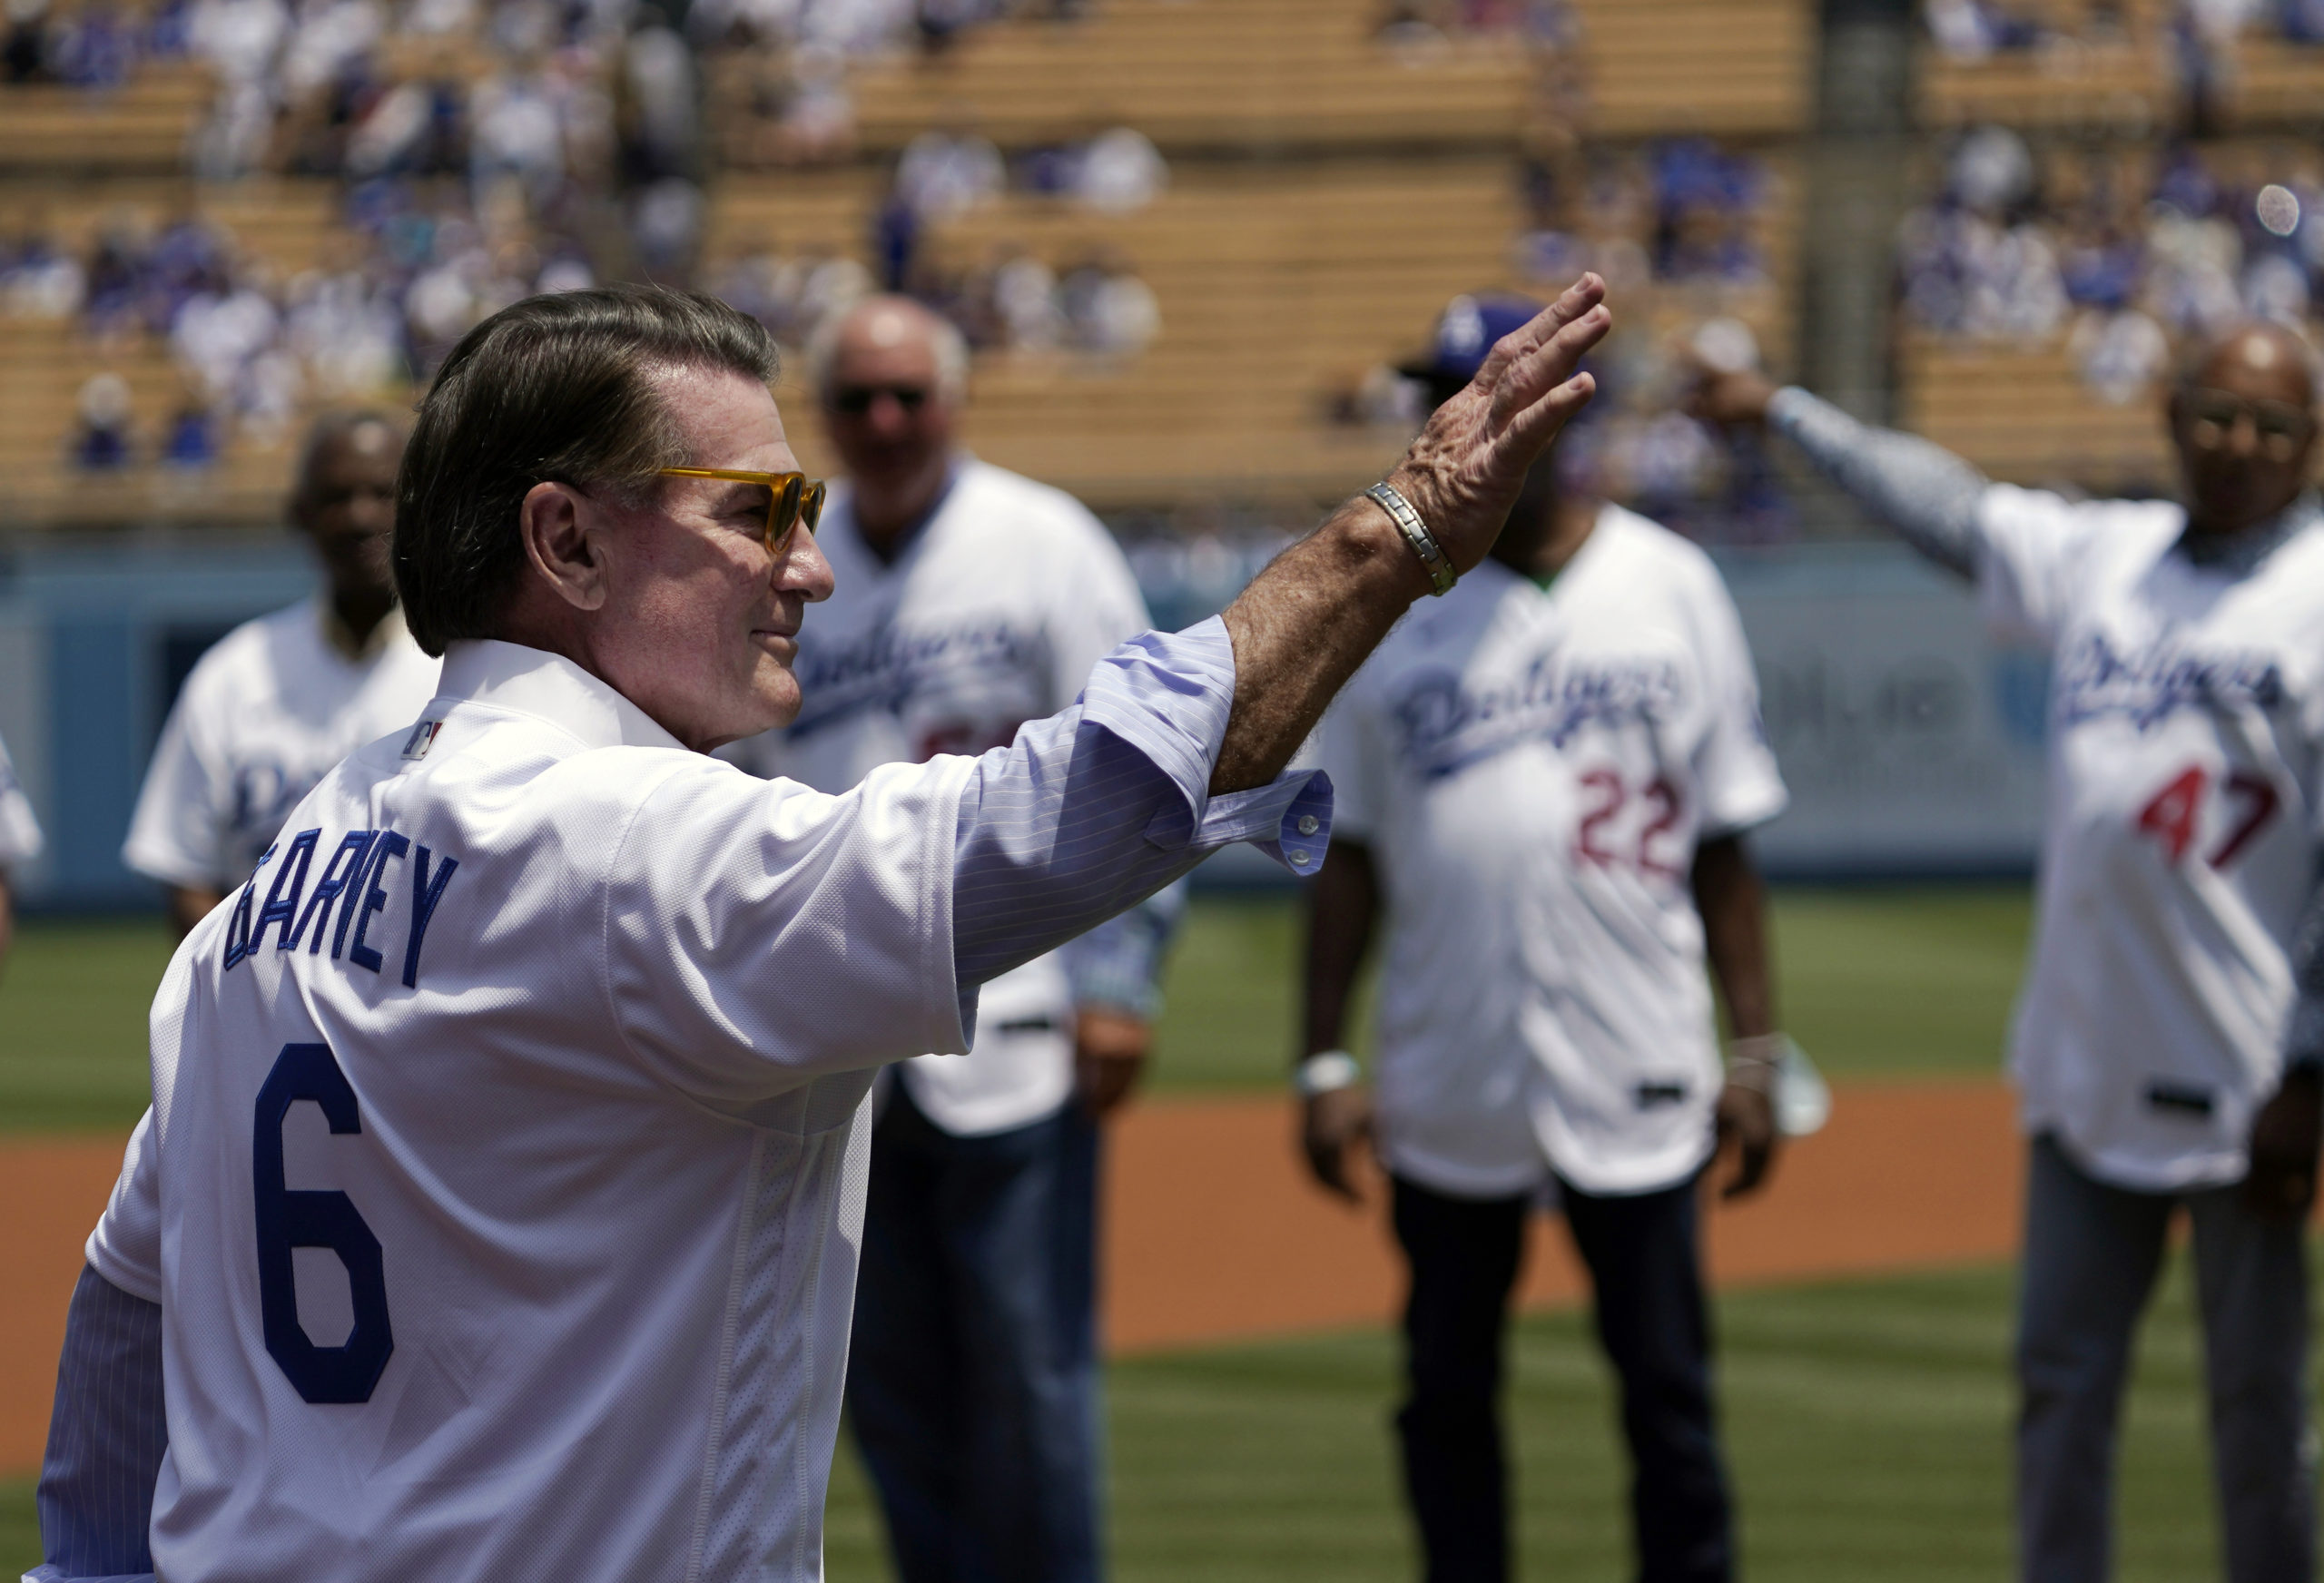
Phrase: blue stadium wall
(1911, 745)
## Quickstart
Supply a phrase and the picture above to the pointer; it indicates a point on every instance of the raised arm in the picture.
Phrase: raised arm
(1928, 495)
(1178, 744)
(1306, 622)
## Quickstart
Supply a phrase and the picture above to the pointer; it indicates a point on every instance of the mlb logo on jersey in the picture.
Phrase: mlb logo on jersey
(422, 738)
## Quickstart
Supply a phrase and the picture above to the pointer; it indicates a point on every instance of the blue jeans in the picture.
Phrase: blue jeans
(1646, 1272)
(2093, 1252)
(973, 1381)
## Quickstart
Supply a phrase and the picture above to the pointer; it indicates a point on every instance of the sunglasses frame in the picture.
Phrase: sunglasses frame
(792, 498)
(855, 401)
(2287, 441)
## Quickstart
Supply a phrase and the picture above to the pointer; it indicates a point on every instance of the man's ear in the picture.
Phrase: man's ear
(557, 525)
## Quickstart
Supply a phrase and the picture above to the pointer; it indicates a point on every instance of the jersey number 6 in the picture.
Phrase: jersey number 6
(287, 1220)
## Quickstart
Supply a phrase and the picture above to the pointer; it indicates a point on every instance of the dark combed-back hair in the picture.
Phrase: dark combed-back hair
(555, 389)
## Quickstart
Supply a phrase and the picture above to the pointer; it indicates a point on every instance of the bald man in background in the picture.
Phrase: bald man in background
(968, 601)
(2170, 1036)
(275, 705)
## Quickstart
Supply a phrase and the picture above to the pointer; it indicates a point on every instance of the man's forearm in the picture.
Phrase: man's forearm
(1306, 622)
(1341, 912)
(1090, 812)
(1928, 495)
(1301, 629)
(1734, 907)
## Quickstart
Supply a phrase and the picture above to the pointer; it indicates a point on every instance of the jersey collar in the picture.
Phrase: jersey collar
(2240, 554)
(547, 686)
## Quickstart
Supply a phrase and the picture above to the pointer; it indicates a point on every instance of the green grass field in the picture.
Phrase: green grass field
(1867, 1422)
(1873, 983)
(1868, 1428)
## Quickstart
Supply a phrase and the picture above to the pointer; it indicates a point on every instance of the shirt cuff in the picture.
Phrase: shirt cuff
(1168, 694)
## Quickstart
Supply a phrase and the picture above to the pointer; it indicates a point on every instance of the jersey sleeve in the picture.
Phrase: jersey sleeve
(1094, 609)
(1349, 749)
(1734, 769)
(20, 837)
(2030, 547)
(125, 1248)
(177, 833)
(757, 933)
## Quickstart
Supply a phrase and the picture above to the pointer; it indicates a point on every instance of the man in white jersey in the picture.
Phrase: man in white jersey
(2156, 1045)
(1542, 787)
(20, 842)
(279, 701)
(548, 1039)
(969, 600)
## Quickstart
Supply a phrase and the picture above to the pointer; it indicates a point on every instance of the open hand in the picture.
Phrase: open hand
(1109, 1050)
(1463, 474)
(1747, 1119)
(1330, 1126)
(2285, 1135)
(1732, 399)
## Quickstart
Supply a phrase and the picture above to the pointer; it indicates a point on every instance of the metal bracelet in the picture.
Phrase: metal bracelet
(1324, 1072)
(1756, 1064)
(1433, 558)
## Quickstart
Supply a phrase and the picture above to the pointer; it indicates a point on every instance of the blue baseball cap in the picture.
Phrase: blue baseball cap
(1465, 333)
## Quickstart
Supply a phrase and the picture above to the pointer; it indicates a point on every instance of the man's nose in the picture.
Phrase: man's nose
(2244, 437)
(888, 415)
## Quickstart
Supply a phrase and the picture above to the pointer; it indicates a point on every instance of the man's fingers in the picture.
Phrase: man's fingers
(1544, 368)
(1529, 433)
(1573, 302)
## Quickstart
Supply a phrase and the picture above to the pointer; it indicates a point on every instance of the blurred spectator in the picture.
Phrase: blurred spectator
(946, 174)
(101, 437)
(2121, 355)
(659, 100)
(39, 280)
(1120, 171)
(24, 55)
(1108, 308)
(95, 47)
(192, 443)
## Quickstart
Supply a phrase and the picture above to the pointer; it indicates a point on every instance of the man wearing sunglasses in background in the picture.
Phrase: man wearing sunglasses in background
(2169, 1038)
(969, 600)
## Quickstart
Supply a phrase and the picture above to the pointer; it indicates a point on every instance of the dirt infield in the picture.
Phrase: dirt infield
(1212, 1232)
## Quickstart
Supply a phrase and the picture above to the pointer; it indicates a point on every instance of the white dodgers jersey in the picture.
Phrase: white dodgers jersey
(505, 1174)
(993, 615)
(2179, 844)
(1532, 769)
(261, 718)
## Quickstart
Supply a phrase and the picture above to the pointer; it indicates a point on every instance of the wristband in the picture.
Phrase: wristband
(1433, 558)
(1324, 1072)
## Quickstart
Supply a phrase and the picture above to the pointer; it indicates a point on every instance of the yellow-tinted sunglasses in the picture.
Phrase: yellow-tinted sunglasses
(792, 498)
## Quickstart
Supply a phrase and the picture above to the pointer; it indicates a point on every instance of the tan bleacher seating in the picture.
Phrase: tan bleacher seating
(1732, 67)
(1278, 287)
(2274, 82)
(143, 126)
(1197, 73)
(2121, 76)
(2024, 414)
(286, 225)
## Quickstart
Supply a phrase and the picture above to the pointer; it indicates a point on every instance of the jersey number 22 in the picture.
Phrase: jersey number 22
(287, 1220)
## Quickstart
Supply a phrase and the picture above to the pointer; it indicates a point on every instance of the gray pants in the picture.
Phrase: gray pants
(2091, 1254)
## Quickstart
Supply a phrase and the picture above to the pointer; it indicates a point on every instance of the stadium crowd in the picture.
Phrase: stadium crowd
(2127, 251)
